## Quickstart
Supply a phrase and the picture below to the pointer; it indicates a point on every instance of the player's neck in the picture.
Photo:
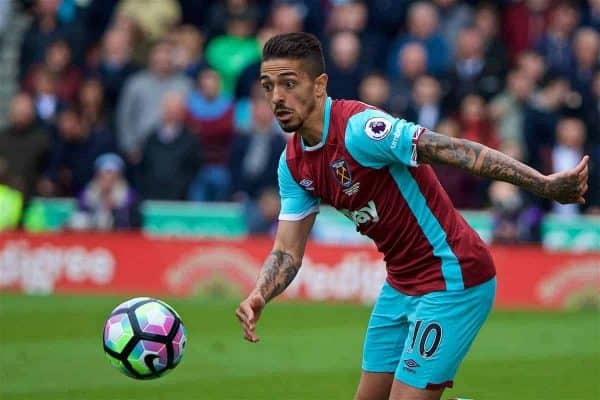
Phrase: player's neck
(312, 130)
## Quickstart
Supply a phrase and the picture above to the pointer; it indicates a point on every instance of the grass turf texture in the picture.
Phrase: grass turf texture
(50, 348)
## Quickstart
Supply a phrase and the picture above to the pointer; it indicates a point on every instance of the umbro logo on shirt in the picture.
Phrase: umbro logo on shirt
(307, 184)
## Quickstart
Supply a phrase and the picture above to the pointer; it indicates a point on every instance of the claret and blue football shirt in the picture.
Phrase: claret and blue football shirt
(366, 166)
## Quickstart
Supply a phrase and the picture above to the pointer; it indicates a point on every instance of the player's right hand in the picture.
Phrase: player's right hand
(248, 314)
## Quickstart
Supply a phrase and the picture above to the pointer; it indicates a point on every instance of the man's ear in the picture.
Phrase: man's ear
(321, 85)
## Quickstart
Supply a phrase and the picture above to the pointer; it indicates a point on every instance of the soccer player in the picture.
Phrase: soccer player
(374, 168)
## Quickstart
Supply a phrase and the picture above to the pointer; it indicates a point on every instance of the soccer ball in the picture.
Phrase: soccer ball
(144, 338)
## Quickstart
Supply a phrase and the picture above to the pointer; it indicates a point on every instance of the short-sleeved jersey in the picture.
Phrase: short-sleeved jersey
(366, 167)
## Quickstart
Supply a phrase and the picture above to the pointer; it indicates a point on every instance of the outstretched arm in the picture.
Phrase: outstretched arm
(564, 187)
(278, 271)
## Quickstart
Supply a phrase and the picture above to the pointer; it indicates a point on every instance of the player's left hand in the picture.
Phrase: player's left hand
(568, 186)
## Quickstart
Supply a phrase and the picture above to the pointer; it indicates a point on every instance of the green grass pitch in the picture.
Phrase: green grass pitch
(50, 348)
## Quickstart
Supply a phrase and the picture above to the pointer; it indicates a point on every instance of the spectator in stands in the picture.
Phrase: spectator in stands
(155, 18)
(219, 13)
(592, 115)
(255, 154)
(352, 16)
(46, 101)
(249, 75)
(523, 25)
(514, 220)
(507, 109)
(93, 111)
(454, 16)
(567, 153)
(591, 16)
(211, 117)
(475, 123)
(487, 22)
(238, 46)
(344, 66)
(139, 108)
(73, 154)
(45, 28)
(506, 206)
(188, 45)
(262, 219)
(586, 61)
(116, 65)
(347, 16)
(460, 186)
(541, 118)
(313, 14)
(58, 62)
(423, 28)
(286, 17)
(107, 202)
(385, 17)
(141, 44)
(412, 61)
(244, 118)
(171, 155)
(426, 108)
(24, 147)
(470, 72)
(375, 90)
(532, 64)
(555, 44)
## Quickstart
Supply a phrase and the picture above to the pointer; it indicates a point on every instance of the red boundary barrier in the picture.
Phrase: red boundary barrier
(132, 264)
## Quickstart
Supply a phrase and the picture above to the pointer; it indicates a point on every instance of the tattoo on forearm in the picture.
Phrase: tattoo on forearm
(277, 273)
(479, 160)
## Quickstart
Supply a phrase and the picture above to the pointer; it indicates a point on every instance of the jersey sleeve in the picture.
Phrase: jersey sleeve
(296, 203)
(376, 139)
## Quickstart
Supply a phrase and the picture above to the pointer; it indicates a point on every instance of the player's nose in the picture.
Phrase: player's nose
(278, 96)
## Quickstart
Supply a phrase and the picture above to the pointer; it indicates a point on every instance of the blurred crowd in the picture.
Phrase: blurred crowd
(126, 100)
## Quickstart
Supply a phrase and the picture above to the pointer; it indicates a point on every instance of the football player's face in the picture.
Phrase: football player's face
(289, 90)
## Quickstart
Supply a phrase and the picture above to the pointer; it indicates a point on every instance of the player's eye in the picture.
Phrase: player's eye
(290, 84)
(267, 87)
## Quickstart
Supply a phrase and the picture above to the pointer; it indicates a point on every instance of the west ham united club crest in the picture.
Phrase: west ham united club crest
(341, 172)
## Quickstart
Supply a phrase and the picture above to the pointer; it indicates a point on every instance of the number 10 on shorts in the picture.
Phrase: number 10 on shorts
(426, 337)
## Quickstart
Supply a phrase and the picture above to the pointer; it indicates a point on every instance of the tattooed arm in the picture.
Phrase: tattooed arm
(564, 187)
(278, 271)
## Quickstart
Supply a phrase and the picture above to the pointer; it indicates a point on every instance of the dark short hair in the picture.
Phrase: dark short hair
(298, 46)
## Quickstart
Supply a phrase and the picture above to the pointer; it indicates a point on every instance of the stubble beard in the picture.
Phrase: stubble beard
(291, 127)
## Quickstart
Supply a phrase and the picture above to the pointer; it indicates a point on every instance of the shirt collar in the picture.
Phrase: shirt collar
(326, 115)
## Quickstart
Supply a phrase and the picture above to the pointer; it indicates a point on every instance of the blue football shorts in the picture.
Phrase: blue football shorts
(423, 339)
